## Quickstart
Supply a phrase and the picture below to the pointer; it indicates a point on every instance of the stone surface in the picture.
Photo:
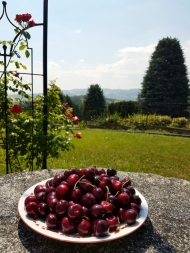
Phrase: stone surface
(167, 228)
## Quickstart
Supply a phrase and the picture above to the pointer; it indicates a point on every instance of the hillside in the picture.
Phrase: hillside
(116, 94)
(110, 95)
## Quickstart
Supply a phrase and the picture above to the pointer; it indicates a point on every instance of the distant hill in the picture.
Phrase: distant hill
(110, 95)
(116, 94)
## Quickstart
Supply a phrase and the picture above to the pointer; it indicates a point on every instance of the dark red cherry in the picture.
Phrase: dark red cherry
(51, 220)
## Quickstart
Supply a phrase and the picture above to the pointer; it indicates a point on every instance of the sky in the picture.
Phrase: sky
(105, 42)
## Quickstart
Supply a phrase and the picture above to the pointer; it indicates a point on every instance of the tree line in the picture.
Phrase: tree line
(165, 88)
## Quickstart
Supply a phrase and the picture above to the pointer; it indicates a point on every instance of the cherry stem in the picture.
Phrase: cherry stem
(107, 192)
(74, 188)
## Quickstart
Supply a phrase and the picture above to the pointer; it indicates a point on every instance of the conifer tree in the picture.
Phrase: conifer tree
(165, 86)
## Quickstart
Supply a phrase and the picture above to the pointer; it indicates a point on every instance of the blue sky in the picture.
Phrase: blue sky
(108, 42)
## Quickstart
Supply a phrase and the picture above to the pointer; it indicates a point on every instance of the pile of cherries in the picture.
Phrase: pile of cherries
(85, 201)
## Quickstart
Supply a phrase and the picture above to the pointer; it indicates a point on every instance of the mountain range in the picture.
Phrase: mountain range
(110, 94)
(116, 94)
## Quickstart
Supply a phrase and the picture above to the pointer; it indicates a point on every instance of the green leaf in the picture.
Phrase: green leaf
(26, 35)
(17, 65)
(17, 54)
(22, 47)
(16, 30)
(4, 43)
(27, 53)
(10, 43)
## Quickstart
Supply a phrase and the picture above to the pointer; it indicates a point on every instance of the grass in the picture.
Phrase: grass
(131, 152)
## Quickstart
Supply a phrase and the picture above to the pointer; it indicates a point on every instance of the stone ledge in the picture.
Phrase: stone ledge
(166, 229)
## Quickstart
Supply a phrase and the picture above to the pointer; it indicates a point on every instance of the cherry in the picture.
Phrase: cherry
(111, 172)
(57, 179)
(131, 189)
(85, 185)
(49, 190)
(61, 191)
(116, 186)
(123, 199)
(43, 209)
(74, 211)
(67, 225)
(113, 200)
(75, 195)
(108, 207)
(29, 199)
(51, 220)
(84, 227)
(130, 216)
(126, 181)
(136, 199)
(100, 227)
(32, 209)
(113, 222)
(135, 207)
(88, 200)
(41, 197)
(89, 173)
(98, 193)
(52, 202)
(101, 171)
(86, 212)
(72, 179)
(97, 211)
(120, 213)
(61, 207)
(39, 188)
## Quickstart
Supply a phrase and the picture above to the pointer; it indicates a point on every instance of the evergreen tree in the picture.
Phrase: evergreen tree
(94, 102)
(165, 86)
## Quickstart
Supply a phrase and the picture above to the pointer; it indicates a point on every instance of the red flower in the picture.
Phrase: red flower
(31, 23)
(16, 109)
(65, 105)
(75, 120)
(25, 18)
(78, 135)
(16, 74)
(18, 18)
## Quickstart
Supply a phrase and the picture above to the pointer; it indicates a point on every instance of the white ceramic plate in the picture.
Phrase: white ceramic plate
(39, 225)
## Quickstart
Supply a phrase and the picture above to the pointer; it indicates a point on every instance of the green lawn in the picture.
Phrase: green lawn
(164, 155)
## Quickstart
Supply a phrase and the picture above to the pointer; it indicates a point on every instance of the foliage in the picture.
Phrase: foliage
(22, 128)
(94, 102)
(124, 108)
(166, 81)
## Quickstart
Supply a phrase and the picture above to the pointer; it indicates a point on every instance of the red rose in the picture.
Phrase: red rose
(18, 18)
(16, 74)
(65, 105)
(26, 17)
(75, 120)
(31, 23)
(16, 109)
(78, 135)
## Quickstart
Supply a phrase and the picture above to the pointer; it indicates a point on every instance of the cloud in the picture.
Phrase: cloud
(53, 65)
(78, 31)
(125, 72)
(62, 61)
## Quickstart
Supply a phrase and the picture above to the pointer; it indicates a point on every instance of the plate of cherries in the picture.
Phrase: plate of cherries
(87, 205)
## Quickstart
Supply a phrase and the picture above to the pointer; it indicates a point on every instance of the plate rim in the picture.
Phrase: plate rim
(77, 239)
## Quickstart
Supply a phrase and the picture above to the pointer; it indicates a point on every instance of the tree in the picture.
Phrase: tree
(94, 102)
(165, 86)
(124, 108)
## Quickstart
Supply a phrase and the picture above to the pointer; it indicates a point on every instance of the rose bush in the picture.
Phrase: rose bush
(24, 117)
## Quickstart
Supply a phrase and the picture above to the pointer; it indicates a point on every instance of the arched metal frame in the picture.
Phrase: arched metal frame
(45, 79)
